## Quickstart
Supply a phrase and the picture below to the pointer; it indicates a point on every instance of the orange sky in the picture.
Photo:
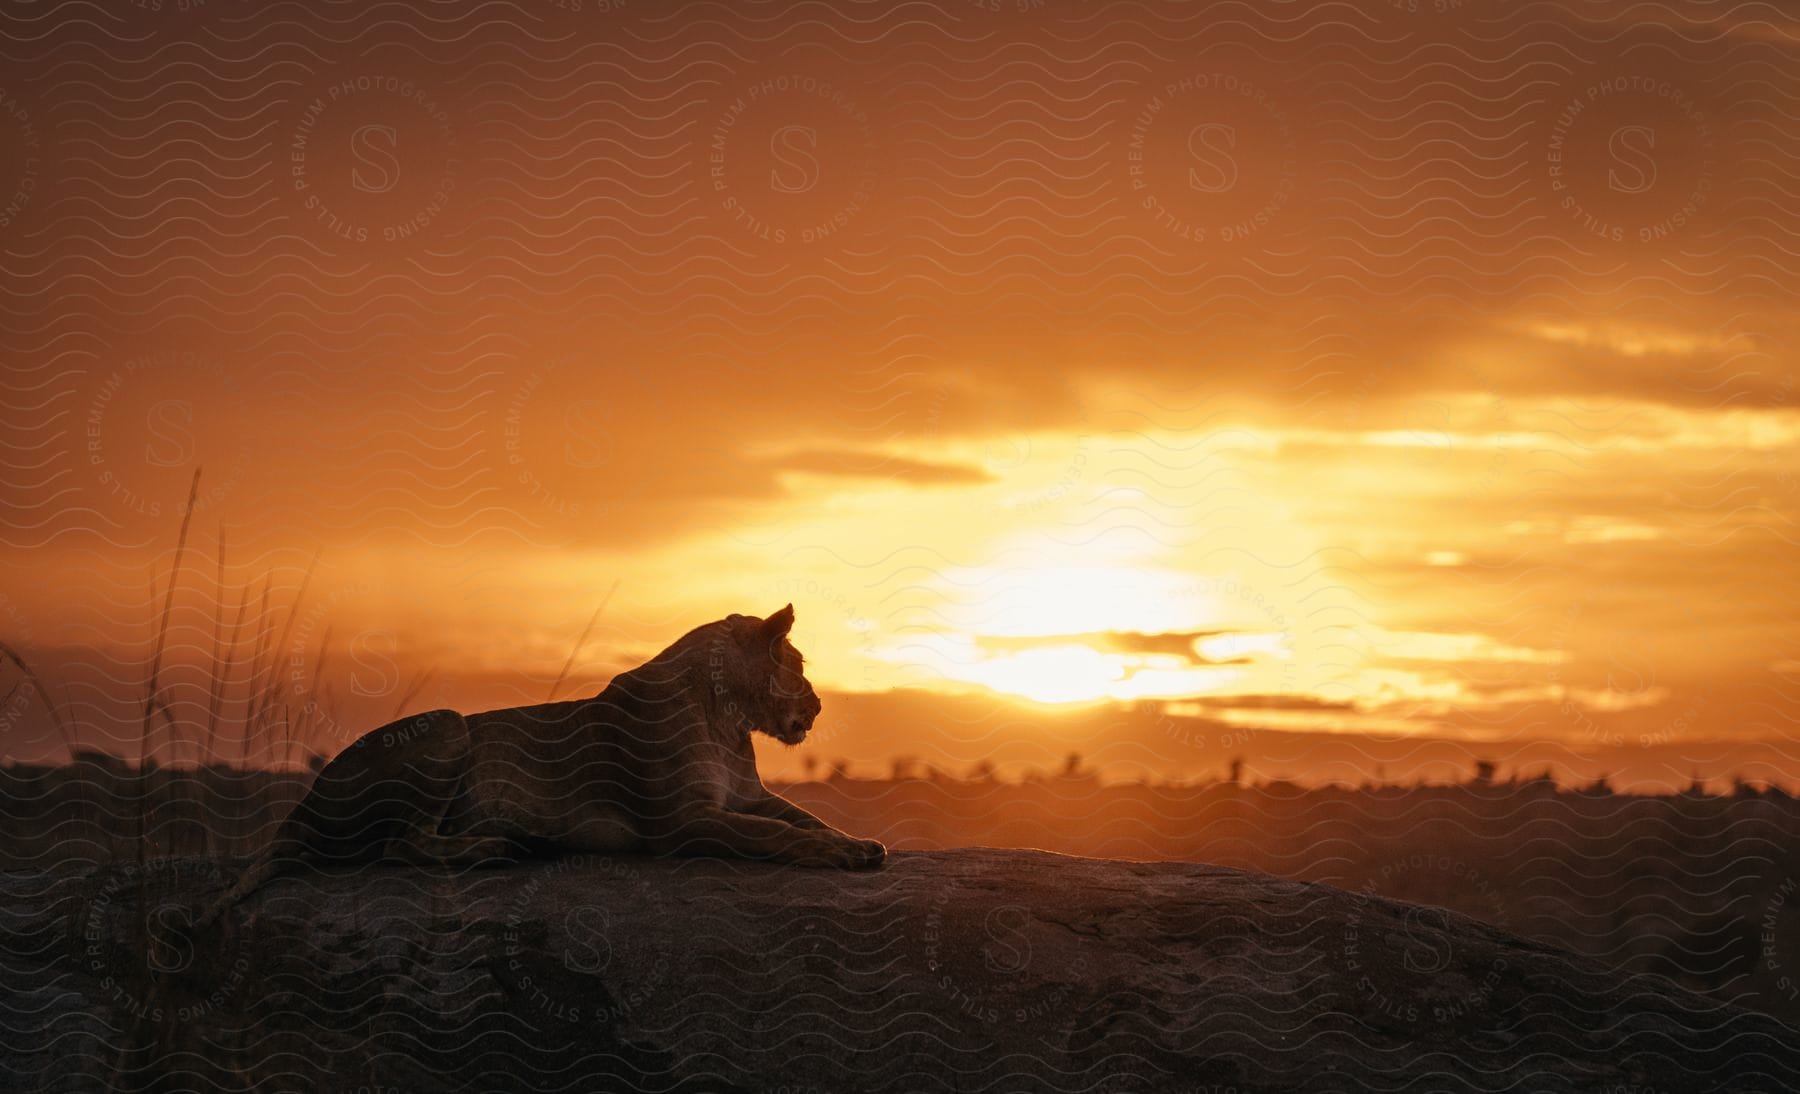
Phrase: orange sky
(1388, 372)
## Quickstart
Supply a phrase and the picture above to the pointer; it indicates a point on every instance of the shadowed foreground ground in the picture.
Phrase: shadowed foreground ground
(978, 970)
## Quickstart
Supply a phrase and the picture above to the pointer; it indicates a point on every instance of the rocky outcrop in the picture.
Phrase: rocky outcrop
(976, 970)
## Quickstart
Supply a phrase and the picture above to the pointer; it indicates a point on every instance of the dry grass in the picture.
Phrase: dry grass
(37, 685)
(167, 810)
(215, 807)
(575, 651)
(220, 806)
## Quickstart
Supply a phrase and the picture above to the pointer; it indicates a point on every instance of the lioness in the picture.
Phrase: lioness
(658, 762)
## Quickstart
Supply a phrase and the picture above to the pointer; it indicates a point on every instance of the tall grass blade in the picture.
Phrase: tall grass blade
(411, 693)
(152, 696)
(37, 685)
(272, 688)
(252, 693)
(582, 641)
(215, 692)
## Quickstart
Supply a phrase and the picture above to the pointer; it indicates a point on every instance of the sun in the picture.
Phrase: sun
(1059, 600)
(1063, 635)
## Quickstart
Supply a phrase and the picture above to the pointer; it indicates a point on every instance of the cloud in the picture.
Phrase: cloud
(1176, 643)
(854, 463)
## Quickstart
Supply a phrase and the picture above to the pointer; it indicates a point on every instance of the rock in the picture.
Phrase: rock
(974, 970)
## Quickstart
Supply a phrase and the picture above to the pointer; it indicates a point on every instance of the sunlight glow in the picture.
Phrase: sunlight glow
(1059, 674)
(1123, 562)
(1225, 647)
(1053, 600)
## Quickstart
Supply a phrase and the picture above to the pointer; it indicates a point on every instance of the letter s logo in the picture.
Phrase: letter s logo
(171, 441)
(1630, 147)
(1211, 145)
(1428, 941)
(171, 947)
(1631, 667)
(588, 951)
(799, 142)
(376, 674)
(1011, 950)
(377, 148)
(585, 429)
